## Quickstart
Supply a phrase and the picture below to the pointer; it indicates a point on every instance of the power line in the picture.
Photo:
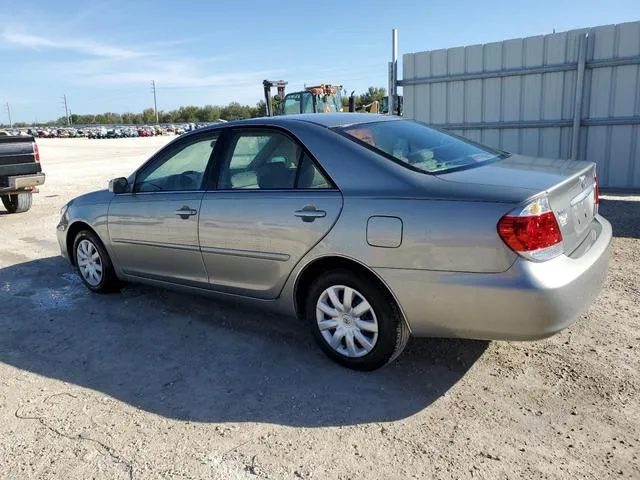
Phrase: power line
(155, 103)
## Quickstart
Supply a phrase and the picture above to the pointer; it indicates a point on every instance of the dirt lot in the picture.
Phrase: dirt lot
(153, 384)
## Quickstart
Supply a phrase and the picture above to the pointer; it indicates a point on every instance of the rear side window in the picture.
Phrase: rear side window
(309, 176)
(421, 148)
(268, 161)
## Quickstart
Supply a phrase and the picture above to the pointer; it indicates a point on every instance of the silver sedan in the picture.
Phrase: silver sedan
(370, 228)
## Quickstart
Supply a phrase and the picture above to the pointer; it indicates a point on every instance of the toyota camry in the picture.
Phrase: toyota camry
(369, 228)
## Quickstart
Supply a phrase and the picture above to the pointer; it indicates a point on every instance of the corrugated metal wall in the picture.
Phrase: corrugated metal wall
(521, 95)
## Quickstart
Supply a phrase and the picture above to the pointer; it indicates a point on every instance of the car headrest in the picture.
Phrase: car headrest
(274, 175)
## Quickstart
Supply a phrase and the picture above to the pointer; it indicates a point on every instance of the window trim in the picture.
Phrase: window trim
(170, 149)
(227, 152)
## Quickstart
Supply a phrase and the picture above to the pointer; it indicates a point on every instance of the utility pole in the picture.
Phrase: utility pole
(155, 102)
(66, 108)
(9, 113)
(393, 73)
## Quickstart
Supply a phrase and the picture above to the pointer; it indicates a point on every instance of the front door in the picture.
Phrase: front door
(272, 205)
(154, 229)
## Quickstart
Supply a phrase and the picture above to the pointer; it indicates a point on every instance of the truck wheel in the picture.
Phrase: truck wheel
(17, 203)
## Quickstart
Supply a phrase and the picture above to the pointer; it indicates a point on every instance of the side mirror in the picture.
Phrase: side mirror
(119, 185)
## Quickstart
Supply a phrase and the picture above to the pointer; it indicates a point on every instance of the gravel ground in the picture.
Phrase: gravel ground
(154, 384)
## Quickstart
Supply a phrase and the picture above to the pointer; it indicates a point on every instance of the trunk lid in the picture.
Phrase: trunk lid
(569, 186)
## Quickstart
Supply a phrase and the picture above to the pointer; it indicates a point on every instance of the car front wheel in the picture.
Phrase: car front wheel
(93, 263)
(354, 321)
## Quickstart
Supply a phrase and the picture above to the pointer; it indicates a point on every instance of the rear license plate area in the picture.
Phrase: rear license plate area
(583, 209)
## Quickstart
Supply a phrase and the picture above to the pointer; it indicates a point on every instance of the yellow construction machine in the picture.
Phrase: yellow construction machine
(323, 98)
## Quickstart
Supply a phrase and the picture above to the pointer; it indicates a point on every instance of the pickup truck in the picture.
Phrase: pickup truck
(20, 172)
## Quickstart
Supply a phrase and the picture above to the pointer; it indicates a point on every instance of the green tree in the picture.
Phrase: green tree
(188, 113)
(128, 118)
(209, 113)
(166, 117)
(373, 94)
(235, 111)
(148, 116)
(261, 110)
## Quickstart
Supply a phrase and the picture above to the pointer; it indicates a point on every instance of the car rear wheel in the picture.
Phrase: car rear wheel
(355, 323)
(17, 203)
(93, 263)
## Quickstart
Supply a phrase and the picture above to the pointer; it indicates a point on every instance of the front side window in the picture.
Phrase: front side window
(181, 170)
(420, 147)
(268, 161)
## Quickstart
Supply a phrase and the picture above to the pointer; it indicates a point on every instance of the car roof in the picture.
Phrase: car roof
(324, 119)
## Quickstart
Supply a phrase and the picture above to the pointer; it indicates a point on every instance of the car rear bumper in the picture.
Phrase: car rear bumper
(527, 302)
(21, 182)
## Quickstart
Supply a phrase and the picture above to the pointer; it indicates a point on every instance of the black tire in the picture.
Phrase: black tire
(17, 203)
(109, 280)
(393, 333)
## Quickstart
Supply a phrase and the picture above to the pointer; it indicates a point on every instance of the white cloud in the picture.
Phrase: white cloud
(88, 47)
(111, 66)
(169, 72)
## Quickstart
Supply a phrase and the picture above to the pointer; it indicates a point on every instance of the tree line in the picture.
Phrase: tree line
(194, 114)
(185, 114)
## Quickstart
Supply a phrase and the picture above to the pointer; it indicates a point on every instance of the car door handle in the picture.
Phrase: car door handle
(185, 212)
(309, 214)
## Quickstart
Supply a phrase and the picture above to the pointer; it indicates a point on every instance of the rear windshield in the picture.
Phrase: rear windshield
(420, 147)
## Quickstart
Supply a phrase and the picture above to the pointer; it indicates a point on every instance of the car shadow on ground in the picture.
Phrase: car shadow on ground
(192, 358)
(624, 215)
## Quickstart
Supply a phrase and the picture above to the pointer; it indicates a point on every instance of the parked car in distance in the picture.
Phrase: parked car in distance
(370, 228)
(20, 172)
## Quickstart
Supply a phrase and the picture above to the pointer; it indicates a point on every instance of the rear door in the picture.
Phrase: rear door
(154, 229)
(272, 204)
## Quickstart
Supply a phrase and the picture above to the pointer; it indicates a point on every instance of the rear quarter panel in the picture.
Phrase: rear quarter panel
(439, 235)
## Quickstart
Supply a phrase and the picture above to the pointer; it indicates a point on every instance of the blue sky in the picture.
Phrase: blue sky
(104, 53)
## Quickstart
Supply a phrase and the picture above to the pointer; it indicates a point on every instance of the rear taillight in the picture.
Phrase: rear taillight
(532, 231)
(596, 192)
(36, 152)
